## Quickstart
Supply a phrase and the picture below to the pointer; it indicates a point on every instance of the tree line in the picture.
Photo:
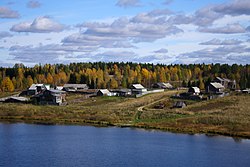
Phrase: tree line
(121, 75)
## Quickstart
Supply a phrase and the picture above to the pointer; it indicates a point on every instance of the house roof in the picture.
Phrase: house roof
(34, 86)
(179, 104)
(168, 85)
(75, 86)
(219, 78)
(23, 99)
(217, 85)
(196, 89)
(227, 80)
(138, 86)
(104, 91)
(57, 91)
(162, 84)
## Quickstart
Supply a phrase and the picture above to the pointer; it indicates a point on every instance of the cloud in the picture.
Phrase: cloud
(207, 15)
(228, 29)
(5, 34)
(162, 50)
(39, 25)
(167, 2)
(220, 42)
(160, 12)
(248, 29)
(128, 3)
(216, 55)
(33, 4)
(236, 7)
(7, 13)
(144, 27)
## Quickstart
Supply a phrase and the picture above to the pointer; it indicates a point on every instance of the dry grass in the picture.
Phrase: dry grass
(228, 116)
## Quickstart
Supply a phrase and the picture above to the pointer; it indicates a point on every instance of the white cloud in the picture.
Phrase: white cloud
(128, 3)
(39, 25)
(6, 12)
(162, 50)
(33, 4)
(228, 29)
(5, 34)
(222, 42)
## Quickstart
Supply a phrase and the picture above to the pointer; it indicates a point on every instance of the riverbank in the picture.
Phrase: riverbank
(228, 116)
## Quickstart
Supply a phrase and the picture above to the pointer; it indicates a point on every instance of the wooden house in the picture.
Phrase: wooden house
(138, 89)
(179, 104)
(123, 92)
(103, 92)
(215, 88)
(194, 90)
(227, 83)
(74, 87)
(16, 99)
(51, 97)
(35, 89)
(163, 85)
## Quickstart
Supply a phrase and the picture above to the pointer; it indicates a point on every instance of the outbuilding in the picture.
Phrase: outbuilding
(51, 97)
(138, 89)
(163, 85)
(194, 90)
(215, 88)
(103, 92)
(75, 87)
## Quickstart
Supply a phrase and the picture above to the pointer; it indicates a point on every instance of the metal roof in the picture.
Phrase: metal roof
(75, 86)
(56, 91)
(196, 89)
(34, 86)
(217, 85)
(19, 98)
(138, 86)
(104, 91)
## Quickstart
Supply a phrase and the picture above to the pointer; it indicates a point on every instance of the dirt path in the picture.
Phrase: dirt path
(141, 108)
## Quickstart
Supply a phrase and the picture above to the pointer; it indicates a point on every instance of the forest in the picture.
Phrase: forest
(120, 75)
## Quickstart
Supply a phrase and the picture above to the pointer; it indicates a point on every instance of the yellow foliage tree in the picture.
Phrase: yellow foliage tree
(7, 85)
(50, 79)
(113, 84)
(29, 81)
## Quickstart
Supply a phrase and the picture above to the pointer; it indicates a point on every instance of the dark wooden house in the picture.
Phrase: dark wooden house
(163, 85)
(50, 97)
(35, 89)
(215, 88)
(194, 90)
(75, 87)
(103, 92)
(179, 104)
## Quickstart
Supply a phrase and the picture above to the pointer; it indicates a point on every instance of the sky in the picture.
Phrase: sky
(146, 31)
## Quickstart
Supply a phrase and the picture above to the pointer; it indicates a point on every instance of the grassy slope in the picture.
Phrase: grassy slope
(227, 116)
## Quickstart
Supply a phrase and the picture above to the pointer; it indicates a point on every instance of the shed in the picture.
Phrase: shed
(15, 99)
(163, 85)
(124, 92)
(52, 97)
(138, 89)
(246, 91)
(194, 90)
(35, 89)
(103, 92)
(214, 87)
(179, 104)
(74, 87)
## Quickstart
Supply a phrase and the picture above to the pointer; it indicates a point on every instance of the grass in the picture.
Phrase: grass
(225, 116)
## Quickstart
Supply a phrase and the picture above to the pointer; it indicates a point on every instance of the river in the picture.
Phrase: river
(25, 145)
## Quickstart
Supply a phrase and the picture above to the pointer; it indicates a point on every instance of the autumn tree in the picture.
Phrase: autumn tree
(7, 85)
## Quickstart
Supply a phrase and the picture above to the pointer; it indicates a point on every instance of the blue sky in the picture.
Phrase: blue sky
(162, 31)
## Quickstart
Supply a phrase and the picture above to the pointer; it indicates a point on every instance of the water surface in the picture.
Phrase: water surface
(39, 145)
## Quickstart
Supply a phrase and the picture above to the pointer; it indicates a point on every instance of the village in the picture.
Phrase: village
(44, 94)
